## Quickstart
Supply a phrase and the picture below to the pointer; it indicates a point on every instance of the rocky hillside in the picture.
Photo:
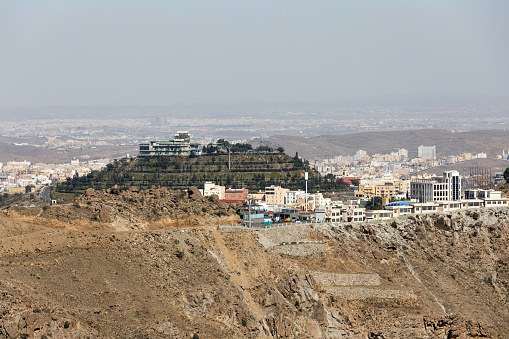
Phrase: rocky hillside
(435, 276)
(133, 209)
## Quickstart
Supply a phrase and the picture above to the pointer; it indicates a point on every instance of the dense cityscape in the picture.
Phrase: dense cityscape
(254, 169)
(379, 181)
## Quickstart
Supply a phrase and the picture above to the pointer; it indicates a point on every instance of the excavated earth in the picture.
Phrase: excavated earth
(157, 264)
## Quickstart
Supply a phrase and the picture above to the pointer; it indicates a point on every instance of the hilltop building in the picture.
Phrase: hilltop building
(180, 145)
(348, 212)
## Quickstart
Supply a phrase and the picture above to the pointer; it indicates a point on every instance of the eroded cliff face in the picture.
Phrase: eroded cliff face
(434, 276)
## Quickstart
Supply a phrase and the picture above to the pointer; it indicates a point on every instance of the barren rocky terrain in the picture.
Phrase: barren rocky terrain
(156, 264)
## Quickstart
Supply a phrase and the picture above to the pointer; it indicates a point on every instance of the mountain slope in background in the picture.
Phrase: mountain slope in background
(447, 142)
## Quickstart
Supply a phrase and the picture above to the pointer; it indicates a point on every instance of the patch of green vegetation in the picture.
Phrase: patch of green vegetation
(253, 171)
(8, 199)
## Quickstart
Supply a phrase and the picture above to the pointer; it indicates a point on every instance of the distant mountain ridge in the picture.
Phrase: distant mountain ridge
(257, 108)
(491, 142)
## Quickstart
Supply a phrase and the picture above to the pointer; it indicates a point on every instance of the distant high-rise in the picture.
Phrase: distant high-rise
(359, 154)
(427, 152)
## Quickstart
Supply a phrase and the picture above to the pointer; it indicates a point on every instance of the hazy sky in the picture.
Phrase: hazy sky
(190, 51)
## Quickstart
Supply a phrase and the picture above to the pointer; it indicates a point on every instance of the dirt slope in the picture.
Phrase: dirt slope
(439, 276)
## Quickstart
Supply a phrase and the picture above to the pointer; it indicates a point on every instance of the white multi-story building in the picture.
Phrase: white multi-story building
(293, 196)
(359, 154)
(349, 212)
(210, 188)
(490, 198)
(181, 145)
(403, 153)
(447, 188)
(427, 152)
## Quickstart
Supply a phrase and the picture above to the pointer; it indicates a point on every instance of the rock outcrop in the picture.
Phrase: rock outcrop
(135, 209)
(432, 276)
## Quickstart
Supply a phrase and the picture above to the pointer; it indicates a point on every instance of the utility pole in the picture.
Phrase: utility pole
(306, 178)
(249, 207)
(229, 160)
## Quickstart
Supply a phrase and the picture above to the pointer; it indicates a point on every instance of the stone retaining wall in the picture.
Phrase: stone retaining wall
(290, 233)
(301, 250)
(345, 279)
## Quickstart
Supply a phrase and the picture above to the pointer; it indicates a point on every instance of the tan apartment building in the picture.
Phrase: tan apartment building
(387, 190)
(275, 195)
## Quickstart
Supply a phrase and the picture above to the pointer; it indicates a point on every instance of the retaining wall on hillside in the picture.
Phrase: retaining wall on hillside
(301, 250)
(346, 279)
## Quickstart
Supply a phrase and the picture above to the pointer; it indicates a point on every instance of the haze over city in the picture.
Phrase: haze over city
(116, 53)
(254, 169)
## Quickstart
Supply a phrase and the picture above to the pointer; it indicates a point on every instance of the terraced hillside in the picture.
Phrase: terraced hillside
(253, 171)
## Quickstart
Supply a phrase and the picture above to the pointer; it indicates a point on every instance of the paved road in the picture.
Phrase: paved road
(45, 194)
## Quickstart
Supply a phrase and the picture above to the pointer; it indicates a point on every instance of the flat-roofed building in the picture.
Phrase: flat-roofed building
(232, 194)
(427, 152)
(180, 146)
(293, 196)
(487, 198)
(275, 195)
(425, 207)
(447, 206)
(334, 214)
(446, 188)
(256, 198)
(399, 208)
(386, 189)
(210, 188)
(354, 214)
(379, 215)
